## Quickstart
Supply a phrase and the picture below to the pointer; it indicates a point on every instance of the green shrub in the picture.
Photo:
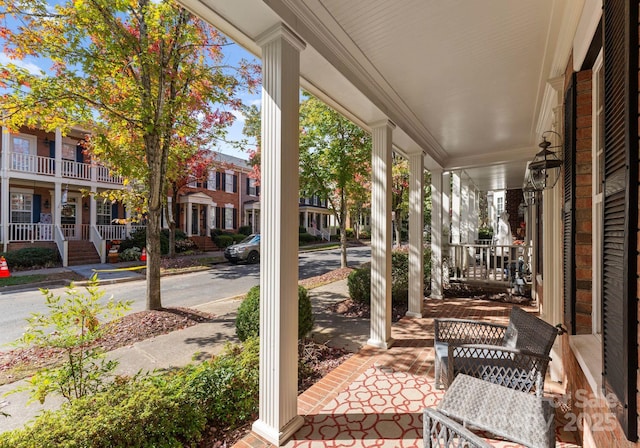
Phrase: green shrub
(138, 238)
(248, 317)
(237, 237)
(223, 241)
(350, 233)
(359, 281)
(227, 387)
(185, 245)
(302, 229)
(131, 254)
(245, 230)
(30, 257)
(359, 284)
(485, 233)
(70, 325)
(306, 238)
(145, 412)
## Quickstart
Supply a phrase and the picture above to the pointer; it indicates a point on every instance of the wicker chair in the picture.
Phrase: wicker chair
(439, 431)
(515, 356)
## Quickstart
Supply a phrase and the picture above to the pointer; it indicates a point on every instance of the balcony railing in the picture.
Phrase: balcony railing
(118, 231)
(28, 163)
(490, 264)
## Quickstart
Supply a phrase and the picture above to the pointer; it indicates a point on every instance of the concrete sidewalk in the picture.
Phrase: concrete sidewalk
(198, 342)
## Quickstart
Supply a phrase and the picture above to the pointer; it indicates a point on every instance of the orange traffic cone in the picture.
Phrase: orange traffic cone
(4, 269)
(143, 256)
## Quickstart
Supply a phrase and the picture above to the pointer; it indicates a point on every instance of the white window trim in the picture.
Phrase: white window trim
(228, 207)
(33, 146)
(228, 186)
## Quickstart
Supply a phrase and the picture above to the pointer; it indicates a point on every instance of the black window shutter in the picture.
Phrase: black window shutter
(37, 207)
(223, 181)
(52, 149)
(620, 221)
(79, 156)
(248, 185)
(257, 191)
(235, 184)
(235, 218)
(569, 218)
(217, 180)
(218, 217)
(114, 211)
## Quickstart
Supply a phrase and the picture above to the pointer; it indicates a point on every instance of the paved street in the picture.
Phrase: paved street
(188, 290)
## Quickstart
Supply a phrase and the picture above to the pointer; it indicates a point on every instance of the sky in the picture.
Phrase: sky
(232, 54)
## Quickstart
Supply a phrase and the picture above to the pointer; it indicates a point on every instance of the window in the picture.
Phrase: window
(499, 205)
(597, 170)
(23, 150)
(21, 207)
(103, 213)
(230, 182)
(251, 187)
(229, 214)
(211, 183)
(69, 151)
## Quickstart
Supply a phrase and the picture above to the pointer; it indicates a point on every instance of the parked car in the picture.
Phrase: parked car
(246, 250)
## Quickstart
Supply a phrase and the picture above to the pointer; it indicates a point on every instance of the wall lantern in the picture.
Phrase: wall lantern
(544, 169)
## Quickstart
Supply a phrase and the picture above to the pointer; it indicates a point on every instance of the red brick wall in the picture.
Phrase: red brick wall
(583, 210)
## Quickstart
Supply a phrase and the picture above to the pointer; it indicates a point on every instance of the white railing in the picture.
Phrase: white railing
(76, 170)
(103, 174)
(30, 232)
(63, 245)
(135, 229)
(112, 232)
(323, 234)
(28, 163)
(75, 231)
(99, 243)
(509, 265)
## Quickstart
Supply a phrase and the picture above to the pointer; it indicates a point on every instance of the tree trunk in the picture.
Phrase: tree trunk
(175, 211)
(155, 182)
(343, 230)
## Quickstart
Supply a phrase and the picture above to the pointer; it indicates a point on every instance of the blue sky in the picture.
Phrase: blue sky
(232, 53)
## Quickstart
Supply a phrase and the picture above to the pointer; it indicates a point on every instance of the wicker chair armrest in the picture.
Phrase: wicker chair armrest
(441, 431)
(463, 331)
(515, 368)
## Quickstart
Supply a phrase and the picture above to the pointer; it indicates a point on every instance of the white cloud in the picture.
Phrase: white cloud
(240, 118)
(256, 102)
(29, 66)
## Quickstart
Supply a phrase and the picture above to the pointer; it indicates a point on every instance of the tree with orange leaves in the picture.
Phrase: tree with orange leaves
(146, 78)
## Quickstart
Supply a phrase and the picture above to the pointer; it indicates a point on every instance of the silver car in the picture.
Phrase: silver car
(246, 250)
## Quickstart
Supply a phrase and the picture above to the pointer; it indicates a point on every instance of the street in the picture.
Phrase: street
(185, 290)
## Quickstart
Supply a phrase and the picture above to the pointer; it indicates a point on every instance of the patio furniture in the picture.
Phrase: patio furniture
(516, 355)
(517, 416)
(439, 431)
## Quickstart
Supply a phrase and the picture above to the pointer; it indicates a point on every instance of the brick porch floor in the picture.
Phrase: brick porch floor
(376, 398)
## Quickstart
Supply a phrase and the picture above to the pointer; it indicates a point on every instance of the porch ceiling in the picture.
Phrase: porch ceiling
(465, 82)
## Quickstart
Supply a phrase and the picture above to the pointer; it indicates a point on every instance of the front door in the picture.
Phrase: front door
(68, 217)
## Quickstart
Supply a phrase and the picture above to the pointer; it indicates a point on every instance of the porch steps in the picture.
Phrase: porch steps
(82, 252)
(204, 243)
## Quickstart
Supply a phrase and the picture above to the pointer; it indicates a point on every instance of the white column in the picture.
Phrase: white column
(455, 208)
(278, 418)
(446, 207)
(188, 217)
(92, 207)
(381, 182)
(416, 244)
(439, 186)
(464, 209)
(58, 153)
(4, 188)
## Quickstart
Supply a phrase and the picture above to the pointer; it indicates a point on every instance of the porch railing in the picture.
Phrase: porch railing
(63, 245)
(112, 232)
(30, 232)
(322, 233)
(103, 174)
(76, 170)
(498, 264)
(28, 163)
(75, 231)
(99, 243)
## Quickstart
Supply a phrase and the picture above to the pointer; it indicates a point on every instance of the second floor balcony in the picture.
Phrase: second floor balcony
(46, 166)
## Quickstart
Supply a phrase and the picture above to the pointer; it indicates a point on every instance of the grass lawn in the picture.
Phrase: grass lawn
(22, 280)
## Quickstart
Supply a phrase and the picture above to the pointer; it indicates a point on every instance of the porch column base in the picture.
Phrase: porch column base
(413, 315)
(277, 436)
(381, 344)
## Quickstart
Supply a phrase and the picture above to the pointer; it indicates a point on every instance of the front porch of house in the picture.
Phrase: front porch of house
(376, 397)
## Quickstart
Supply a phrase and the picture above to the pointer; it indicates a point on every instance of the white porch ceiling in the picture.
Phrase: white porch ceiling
(464, 81)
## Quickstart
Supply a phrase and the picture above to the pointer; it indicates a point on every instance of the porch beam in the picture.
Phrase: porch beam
(381, 234)
(416, 225)
(439, 197)
(278, 418)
